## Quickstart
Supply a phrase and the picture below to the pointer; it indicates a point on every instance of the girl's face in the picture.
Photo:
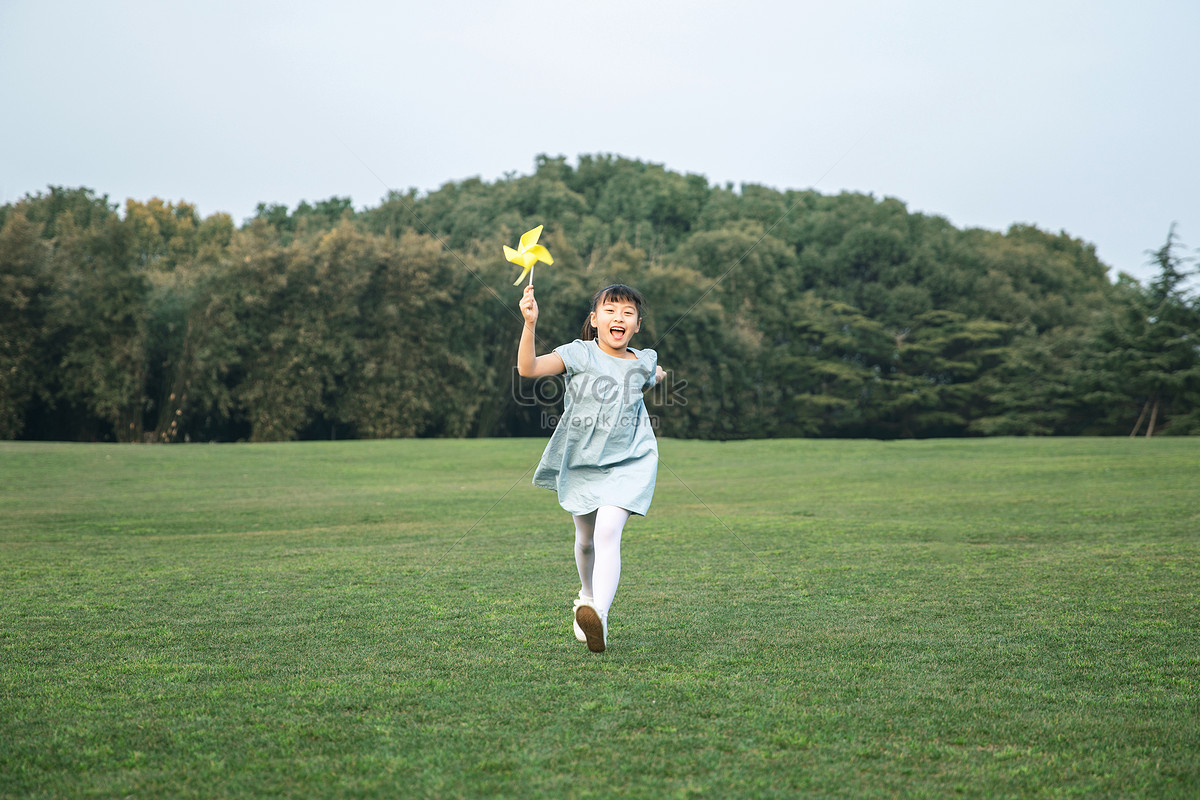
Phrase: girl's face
(615, 321)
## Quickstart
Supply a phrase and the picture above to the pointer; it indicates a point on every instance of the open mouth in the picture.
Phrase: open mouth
(616, 332)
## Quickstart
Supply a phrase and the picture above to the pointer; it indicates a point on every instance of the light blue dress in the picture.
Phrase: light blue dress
(603, 451)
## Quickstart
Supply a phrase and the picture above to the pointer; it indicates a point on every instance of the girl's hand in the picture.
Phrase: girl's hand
(659, 374)
(529, 306)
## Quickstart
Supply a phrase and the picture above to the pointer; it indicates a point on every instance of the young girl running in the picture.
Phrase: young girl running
(602, 458)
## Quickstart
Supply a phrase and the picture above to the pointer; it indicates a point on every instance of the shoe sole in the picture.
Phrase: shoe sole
(575, 625)
(592, 627)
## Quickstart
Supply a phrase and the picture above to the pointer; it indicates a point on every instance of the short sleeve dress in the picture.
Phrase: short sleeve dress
(603, 451)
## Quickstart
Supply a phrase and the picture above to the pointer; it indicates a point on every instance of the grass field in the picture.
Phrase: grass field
(985, 618)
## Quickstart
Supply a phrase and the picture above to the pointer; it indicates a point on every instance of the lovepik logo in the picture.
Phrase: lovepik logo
(551, 390)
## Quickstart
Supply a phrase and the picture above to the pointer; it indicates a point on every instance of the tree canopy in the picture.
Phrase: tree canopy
(778, 313)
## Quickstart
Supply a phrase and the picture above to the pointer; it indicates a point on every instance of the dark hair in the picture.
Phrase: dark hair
(619, 293)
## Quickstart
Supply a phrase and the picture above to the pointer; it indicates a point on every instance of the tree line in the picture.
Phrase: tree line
(778, 313)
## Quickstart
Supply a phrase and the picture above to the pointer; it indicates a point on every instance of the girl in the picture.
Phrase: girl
(602, 458)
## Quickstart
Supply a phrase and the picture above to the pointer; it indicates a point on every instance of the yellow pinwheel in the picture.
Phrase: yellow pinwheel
(528, 253)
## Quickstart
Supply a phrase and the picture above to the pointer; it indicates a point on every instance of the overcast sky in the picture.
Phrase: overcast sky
(1076, 116)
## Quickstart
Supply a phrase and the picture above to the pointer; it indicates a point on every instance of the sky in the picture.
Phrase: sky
(1073, 116)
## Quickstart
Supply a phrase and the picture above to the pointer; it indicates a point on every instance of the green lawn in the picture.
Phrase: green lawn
(987, 618)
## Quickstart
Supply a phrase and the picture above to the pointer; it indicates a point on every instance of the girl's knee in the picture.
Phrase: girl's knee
(608, 537)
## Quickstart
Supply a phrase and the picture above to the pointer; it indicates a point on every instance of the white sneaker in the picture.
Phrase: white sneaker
(579, 634)
(593, 625)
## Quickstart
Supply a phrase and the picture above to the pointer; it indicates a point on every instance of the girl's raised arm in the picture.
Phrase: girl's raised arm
(529, 364)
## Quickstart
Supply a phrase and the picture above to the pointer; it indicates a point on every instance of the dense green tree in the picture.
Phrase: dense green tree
(266, 341)
(85, 208)
(99, 329)
(1144, 363)
(161, 234)
(778, 314)
(819, 371)
(405, 374)
(1040, 387)
(23, 296)
(709, 392)
(933, 386)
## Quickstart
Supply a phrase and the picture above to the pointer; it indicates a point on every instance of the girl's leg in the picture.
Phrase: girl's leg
(585, 551)
(606, 569)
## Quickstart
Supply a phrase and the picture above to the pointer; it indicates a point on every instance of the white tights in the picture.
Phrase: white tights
(598, 554)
